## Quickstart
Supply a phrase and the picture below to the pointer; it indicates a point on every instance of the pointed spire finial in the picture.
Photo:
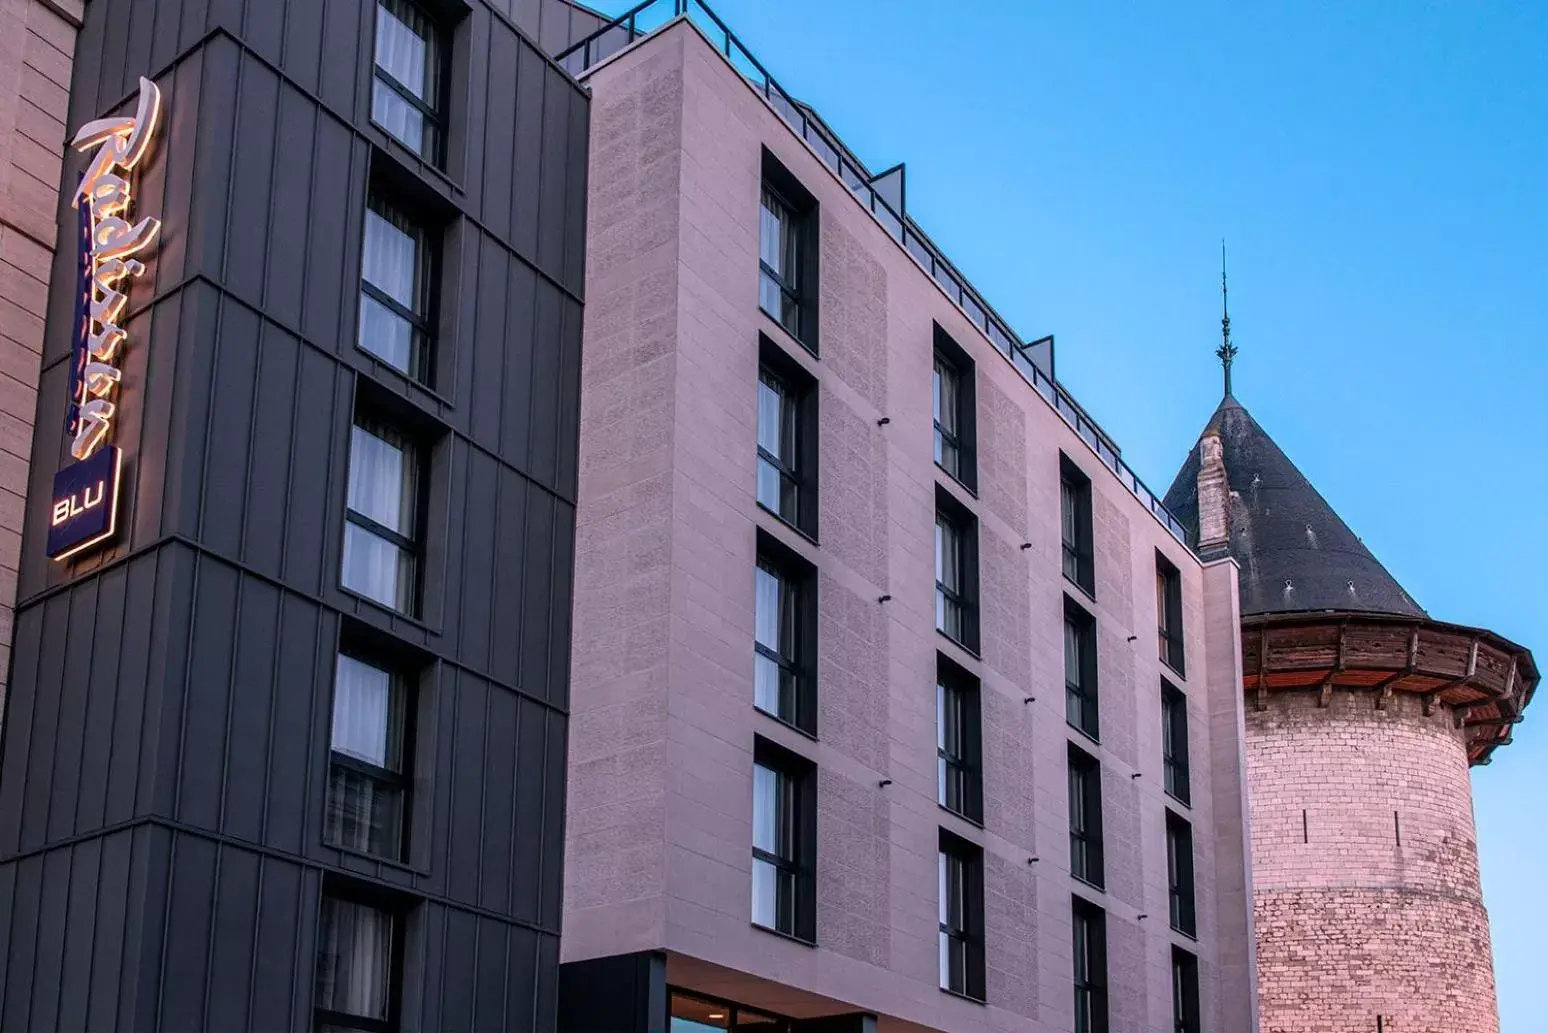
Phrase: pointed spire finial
(1227, 351)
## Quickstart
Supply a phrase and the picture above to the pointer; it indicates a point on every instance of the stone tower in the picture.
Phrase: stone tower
(1363, 717)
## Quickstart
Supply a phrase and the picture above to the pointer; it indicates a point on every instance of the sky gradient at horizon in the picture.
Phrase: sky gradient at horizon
(1380, 172)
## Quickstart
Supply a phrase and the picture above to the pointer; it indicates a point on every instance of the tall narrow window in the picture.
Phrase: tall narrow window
(357, 966)
(787, 257)
(367, 787)
(956, 574)
(784, 826)
(1174, 741)
(1090, 928)
(1169, 611)
(1075, 524)
(397, 273)
(407, 88)
(783, 630)
(954, 402)
(959, 783)
(1080, 670)
(1185, 992)
(1179, 873)
(380, 545)
(787, 432)
(1086, 861)
(961, 874)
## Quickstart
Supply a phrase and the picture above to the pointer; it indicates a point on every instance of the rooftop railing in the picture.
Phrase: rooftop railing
(1034, 359)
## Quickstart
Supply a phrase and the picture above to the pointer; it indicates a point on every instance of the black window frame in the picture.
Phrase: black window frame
(437, 115)
(1182, 903)
(800, 775)
(1087, 855)
(379, 422)
(388, 200)
(963, 597)
(1082, 698)
(1174, 743)
(801, 209)
(959, 765)
(1078, 555)
(1088, 923)
(964, 939)
(964, 440)
(800, 397)
(800, 576)
(404, 675)
(396, 908)
(1169, 615)
(1186, 1015)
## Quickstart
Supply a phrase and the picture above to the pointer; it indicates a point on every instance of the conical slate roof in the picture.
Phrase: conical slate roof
(1296, 555)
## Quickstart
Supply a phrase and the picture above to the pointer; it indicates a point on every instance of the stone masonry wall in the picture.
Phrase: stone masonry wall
(1365, 869)
(37, 45)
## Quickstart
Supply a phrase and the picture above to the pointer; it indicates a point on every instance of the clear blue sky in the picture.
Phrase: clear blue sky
(1380, 171)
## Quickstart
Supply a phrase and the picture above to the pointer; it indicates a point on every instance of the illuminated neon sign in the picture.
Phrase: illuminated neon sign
(84, 507)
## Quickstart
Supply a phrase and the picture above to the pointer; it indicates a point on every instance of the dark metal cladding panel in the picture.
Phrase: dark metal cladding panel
(183, 674)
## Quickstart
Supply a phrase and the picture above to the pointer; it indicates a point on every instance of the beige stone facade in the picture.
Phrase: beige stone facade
(37, 44)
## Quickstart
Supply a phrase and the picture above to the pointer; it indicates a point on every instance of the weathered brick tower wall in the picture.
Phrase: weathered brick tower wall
(1365, 869)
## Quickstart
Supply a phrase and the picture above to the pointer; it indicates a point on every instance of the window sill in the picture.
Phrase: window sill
(1075, 727)
(969, 650)
(365, 855)
(792, 937)
(962, 996)
(975, 822)
(808, 536)
(1185, 801)
(958, 481)
(388, 611)
(810, 349)
(1099, 887)
(1179, 671)
(425, 164)
(414, 383)
(1193, 936)
(1089, 593)
(812, 735)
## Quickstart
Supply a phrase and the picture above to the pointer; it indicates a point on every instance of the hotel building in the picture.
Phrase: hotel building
(285, 732)
(898, 702)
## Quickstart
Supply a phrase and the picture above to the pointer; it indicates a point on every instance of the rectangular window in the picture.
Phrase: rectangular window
(1075, 522)
(358, 966)
(1169, 613)
(784, 847)
(956, 572)
(381, 547)
(961, 870)
(1185, 992)
(1085, 817)
(959, 783)
(784, 638)
(954, 401)
(1179, 873)
(787, 254)
(1080, 669)
(367, 785)
(397, 281)
(408, 87)
(1174, 741)
(787, 440)
(1090, 927)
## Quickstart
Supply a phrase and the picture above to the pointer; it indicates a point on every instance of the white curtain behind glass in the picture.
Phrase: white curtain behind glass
(377, 482)
(362, 707)
(766, 628)
(390, 263)
(771, 440)
(765, 837)
(403, 54)
(357, 951)
(945, 941)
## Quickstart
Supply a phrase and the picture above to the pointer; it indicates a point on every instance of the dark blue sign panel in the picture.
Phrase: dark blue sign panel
(84, 509)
